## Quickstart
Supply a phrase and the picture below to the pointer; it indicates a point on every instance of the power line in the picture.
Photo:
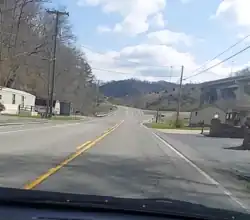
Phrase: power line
(110, 71)
(114, 71)
(229, 48)
(217, 64)
(130, 61)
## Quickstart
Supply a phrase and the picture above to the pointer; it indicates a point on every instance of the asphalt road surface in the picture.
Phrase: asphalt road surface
(112, 156)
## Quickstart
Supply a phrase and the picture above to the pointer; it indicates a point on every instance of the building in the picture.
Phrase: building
(16, 100)
(206, 114)
(233, 88)
(225, 96)
(59, 107)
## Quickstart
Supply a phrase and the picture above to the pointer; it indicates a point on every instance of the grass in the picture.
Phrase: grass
(59, 117)
(22, 116)
(170, 126)
(157, 125)
(65, 118)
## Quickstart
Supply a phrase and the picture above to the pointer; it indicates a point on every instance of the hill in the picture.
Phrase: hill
(151, 95)
(133, 87)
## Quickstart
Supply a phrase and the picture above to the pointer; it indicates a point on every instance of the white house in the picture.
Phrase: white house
(13, 99)
(206, 114)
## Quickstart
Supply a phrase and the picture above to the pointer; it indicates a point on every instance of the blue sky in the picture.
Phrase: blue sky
(142, 38)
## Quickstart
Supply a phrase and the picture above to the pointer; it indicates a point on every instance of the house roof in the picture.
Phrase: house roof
(20, 92)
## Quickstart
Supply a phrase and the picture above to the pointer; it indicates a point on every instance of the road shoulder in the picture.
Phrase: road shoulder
(218, 163)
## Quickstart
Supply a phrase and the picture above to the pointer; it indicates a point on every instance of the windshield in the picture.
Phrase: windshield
(131, 99)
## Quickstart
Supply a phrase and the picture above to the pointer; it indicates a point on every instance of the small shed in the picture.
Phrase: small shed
(206, 114)
(59, 107)
(14, 99)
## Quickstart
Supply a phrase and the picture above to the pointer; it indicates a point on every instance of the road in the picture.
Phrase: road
(113, 156)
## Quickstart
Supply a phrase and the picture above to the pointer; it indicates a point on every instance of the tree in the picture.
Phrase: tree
(26, 34)
(243, 72)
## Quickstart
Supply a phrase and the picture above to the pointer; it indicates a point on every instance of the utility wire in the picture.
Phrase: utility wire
(130, 61)
(114, 71)
(217, 64)
(229, 48)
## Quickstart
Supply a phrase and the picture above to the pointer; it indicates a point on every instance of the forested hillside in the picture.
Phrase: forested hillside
(26, 42)
(133, 87)
(151, 95)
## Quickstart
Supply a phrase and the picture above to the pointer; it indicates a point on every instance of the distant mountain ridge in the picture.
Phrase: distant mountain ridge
(151, 95)
(132, 87)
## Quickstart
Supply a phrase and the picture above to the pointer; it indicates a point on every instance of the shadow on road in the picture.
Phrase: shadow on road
(236, 148)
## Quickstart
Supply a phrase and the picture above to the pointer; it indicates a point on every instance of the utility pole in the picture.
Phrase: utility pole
(48, 89)
(1, 44)
(97, 92)
(171, 72)
(97, 96)
(57, 14)
(2, 9)
(179, 97)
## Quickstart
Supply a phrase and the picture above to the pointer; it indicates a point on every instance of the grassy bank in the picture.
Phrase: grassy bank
(65, 118)
(59, 117)
(170, 126)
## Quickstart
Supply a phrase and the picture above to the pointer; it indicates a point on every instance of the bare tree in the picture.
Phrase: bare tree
(26, 40)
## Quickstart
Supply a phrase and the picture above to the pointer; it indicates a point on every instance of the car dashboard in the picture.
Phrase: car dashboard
(15, 213)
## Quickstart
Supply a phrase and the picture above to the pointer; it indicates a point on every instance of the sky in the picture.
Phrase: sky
(152, 39)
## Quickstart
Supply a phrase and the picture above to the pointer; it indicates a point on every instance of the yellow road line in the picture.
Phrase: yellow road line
(81, 150)
(83, 145)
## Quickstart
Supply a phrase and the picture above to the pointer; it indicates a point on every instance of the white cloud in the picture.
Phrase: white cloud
(103, 28)
(151, 62)
(240, 36)
(186, 1)
(235, 11)
(146, 60)
(245, 37)
(170, 38)
(135, 13)
(158, 20)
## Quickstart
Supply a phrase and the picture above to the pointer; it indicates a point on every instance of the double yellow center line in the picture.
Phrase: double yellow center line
(80, 149)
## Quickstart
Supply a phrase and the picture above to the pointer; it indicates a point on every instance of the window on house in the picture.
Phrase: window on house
(0, 97)
(196, 113)
(173, 89)
(13, 99)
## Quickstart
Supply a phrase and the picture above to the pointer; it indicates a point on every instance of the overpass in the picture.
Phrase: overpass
(232, 88)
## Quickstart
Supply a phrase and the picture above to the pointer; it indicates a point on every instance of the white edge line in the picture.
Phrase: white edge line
(35, 129)
(209, 178)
